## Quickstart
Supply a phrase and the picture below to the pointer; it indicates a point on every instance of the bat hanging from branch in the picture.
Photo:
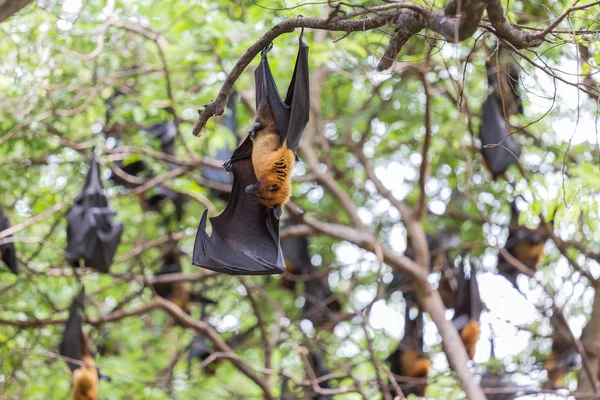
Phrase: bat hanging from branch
(8, 253)
(92, 234)
(245, 237)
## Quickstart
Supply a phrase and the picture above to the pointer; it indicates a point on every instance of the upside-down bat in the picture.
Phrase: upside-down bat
(176, 292)
(563, 354)
(92, 234)
(76, 346)
(503, 100)
(438, 261)
(503, 75)
(525, 245)
(408, 360)
(245, 237)
(224, 153)
(467, 309)
(166, 133)
(321, 303)
(200, 348)
(8, 253)
(154, 198)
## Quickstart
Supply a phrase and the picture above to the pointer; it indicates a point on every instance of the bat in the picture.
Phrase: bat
(176, 292)
(8, 253)
(201, 349)
(494, 131)
(155, 197)
(408, 360)
(525, 245)
(166, 133)
(563, 354)
(497, 380)
(245, 236)
(503, 79)
(92, 234)
(297, 260)
(317, 363)
(438, 261)
(467, 309)
(76, 346)
(224, 153)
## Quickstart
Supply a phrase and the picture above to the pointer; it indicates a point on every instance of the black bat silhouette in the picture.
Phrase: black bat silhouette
(245, 237)
(7, 250)
(92, 234)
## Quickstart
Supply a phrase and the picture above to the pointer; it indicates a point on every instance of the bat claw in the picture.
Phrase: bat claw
(227, 165)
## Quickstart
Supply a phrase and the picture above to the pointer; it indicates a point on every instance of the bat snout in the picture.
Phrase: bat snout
(252, 189)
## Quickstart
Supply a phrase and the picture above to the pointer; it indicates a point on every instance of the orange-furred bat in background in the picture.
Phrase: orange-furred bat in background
(8, 253)
(524, 244)
(409, 360)
(76, 345)
(563, 354)
(467, 308)
(176, 292)
(245, 236)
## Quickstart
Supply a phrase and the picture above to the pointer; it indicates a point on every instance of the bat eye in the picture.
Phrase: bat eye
(274, 187)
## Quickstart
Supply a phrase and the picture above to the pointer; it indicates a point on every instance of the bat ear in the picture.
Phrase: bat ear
(274, 187)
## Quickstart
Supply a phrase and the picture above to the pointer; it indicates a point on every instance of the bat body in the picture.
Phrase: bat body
(408, 359)
(563, 354)
(76, 346)
(92, 234)
(467, 309)
(525, 245)
(166, 133)
(223, 154)
(503, 75)
(245, 236)
(8, 253)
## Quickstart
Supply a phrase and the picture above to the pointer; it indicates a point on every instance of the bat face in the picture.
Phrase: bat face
(92, 234)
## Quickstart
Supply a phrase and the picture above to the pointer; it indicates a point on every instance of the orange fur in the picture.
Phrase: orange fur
(470, 335)
(273, 165)
(529, 254)
(414, 366)
(85, 381)
(180, 295)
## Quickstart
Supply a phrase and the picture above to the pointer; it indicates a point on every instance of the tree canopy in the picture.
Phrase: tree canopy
(391, 157)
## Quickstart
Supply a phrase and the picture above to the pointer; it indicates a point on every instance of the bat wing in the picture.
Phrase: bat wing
(291, 115)
(413, 328)
(171, 265)
(92, 234)
(8, 253)
(165, 132)
(494, 131)
(467, 301)
(72, 343)
(245, 236)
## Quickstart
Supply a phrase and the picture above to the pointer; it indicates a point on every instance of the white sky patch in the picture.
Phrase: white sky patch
(384, 317)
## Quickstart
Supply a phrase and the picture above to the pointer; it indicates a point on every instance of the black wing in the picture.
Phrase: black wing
(8, 253)
(245, 237)
(166, 133)
(494, 131)
(467, 301)
(92, 234)
(72, 343)
(291, 115)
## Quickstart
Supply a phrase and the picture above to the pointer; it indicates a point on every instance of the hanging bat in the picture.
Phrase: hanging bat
(409, 360)
(135, 168)
(201, 349)
(563, 354)
(8, 253)
(317, 363)
(245, 237)
(438, 261)
(166, 133)
(224, 153)
(503, 75)
(525, 245)
(176, 292)
(467, 309)
(297, 260)
(76, 346)
(494, 131)
(92, 234)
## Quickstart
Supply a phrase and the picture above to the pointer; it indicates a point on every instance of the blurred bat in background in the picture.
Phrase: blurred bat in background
(92, 234)
(7, 250)
(245, 237)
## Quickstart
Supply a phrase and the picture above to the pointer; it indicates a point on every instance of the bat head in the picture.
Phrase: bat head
(270, 192)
